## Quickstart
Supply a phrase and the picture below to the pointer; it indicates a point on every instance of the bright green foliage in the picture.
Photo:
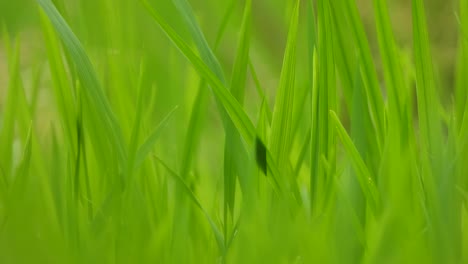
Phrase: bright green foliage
(190, 131)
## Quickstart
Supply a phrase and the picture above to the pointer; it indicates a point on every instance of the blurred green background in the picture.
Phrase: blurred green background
(118, 33)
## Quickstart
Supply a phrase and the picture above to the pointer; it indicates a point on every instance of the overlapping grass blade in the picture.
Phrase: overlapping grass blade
(323, 100)
(362, 172)
(235, 160)
(232, 107)
(439, 181)
(234, 110)
(371, 83)
(393, 71)
(62, 89)
(145, 149)
(281, 126)
(199, 39)
(90, 83)
(194, 199)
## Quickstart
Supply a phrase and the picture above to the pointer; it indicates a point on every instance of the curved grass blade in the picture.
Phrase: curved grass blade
(62, 89)
(189, 193)
(362, 172)
(202, 45)
(235, 155)
(89, 80)
(234, 110)
(323, 100)
(281, 126)
(390, 59)
(372, 87)
(146, 148)
(230, 104)
(439, 182)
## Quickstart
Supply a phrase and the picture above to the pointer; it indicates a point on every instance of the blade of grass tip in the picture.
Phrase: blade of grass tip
(237, 89)
(425, 92)
(302, 154)
(362, 172)
(282, 114)
(372, 87)
(311, 39)
(148, 145)
(239, 72)
(260, 91)
(206, 53)
(194, 128)
(199, 105)
(232, 162)
(429, 118)
(191, 195)
(323, 100)
(222, 28)
(391, 62)
(88, 77)
(235, 163)
(440, 188)
(356, 221)
(61, 88)
(344, 58)
(232, 107)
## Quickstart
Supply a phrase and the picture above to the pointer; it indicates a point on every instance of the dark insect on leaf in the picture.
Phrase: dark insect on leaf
(260, 154)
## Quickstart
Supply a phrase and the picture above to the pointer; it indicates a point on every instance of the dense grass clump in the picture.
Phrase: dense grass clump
(177, 131)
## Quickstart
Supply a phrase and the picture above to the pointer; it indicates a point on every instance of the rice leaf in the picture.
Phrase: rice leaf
(232, 107)
(145, 149)
(281, 126)
(194, 199)
(362, 172)
(90, 83)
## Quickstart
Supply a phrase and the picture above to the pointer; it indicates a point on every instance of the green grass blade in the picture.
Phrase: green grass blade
(202, 45)
(391, 63)
(62, 89)
(91, 86)
(230, 104)
(235, 161)
(372, 87)
(439, 181)
(260, 91)
(362, 172)
(281, 125)
(323, 100)
(194, 199)
(148, 145)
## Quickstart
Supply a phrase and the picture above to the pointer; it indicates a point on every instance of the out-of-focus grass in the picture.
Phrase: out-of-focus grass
(233, 131)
